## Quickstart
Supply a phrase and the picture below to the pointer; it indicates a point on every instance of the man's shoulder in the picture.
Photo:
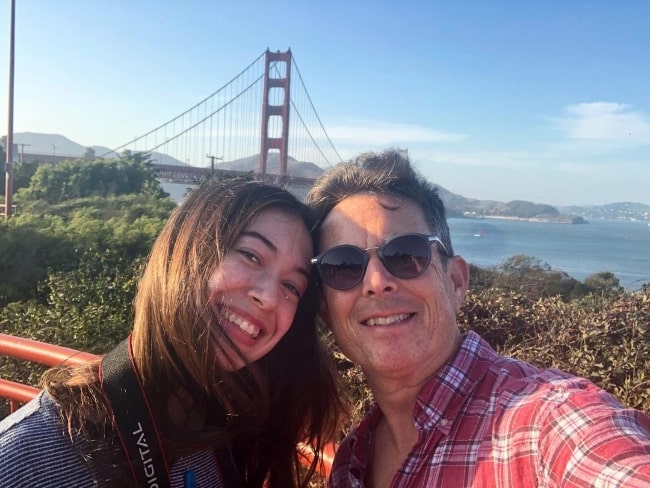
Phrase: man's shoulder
(513, 383)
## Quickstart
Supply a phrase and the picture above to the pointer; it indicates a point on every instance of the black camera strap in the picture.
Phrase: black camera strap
(132, 417)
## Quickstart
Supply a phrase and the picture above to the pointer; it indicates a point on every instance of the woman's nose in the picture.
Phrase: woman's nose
(267, 292)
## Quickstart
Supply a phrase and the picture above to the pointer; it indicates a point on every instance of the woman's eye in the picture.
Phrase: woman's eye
(249, 255)
(292, 289)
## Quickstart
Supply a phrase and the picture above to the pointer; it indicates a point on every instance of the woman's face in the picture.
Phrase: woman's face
(255, 291)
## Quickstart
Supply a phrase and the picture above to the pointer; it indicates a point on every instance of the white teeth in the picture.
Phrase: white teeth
(243, 325)
(387, 320)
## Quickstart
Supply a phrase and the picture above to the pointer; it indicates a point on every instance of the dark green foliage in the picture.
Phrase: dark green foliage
(23, 173)
(29, 247)
(603, 282)
(527, 210)
(521, 272)
(94, 302)
(71, 180)
(122, 212)
(88, 309)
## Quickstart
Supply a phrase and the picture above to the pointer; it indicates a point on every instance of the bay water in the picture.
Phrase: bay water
(620, 247)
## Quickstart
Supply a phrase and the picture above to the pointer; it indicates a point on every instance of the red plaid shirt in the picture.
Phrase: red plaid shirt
(489, 421)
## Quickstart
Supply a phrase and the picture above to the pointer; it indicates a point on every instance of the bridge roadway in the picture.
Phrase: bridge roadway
(193, 175)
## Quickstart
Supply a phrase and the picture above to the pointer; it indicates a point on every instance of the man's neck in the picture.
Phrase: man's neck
(393, 438)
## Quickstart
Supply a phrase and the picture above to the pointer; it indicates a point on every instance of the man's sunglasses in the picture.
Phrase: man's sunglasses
(404, 256)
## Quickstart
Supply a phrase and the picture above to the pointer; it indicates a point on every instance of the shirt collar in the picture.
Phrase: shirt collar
(440, 401)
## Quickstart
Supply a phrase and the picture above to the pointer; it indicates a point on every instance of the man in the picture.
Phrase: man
(449, 411)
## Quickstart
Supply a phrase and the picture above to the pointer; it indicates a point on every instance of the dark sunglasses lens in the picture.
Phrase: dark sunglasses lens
(342, 267)
(407, 256)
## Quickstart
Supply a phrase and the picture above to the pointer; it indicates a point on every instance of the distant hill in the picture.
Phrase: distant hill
(457, 205)
(37, 143)
(612, 211)
(297, 168)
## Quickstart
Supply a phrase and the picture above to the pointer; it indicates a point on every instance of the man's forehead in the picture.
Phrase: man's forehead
(357, 206)
(363, 209)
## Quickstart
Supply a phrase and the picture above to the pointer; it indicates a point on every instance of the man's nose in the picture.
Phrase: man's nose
(378, 279)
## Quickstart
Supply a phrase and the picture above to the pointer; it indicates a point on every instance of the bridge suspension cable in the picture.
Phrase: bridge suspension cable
(321, 150)
(225, 126)
(220, 124)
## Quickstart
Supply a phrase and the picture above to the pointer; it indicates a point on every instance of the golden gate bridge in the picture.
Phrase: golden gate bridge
(242, 127)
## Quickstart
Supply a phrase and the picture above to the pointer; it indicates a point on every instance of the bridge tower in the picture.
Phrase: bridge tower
(276, 88)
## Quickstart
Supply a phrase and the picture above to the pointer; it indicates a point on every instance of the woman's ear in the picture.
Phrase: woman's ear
(459, 274)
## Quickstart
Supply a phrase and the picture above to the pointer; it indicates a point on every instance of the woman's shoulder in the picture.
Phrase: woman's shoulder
(201, 466)
(35, 449)
(34, 416)
(31, 427)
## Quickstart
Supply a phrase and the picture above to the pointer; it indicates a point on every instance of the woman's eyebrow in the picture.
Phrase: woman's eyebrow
(270, 245)
(257, 235)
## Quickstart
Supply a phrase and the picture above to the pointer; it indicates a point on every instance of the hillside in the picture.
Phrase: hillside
(612, 211)
(300, 169)
(56, 144)
(37, 143)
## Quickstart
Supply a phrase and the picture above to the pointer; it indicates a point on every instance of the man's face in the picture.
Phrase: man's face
(397, 328)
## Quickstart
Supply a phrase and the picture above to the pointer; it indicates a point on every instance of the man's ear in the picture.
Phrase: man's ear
(459, 274)
(323, 310)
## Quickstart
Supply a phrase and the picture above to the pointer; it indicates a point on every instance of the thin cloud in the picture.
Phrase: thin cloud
(485, 159)
(386, 133)
(605, 122)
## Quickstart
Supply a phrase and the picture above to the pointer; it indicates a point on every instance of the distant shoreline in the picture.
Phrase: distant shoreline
(545, 220)
(560, 219)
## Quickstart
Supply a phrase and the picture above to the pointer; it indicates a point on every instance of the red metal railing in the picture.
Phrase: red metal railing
(52, 355)
(36, 352)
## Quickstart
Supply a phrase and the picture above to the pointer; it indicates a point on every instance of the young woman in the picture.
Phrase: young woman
(222, 376)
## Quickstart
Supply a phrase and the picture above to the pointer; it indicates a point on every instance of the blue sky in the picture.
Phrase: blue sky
(503, 100)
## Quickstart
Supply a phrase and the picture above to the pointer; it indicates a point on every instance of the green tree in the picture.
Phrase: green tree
(48, 238)
(98, 178)
(533, 276)
(29, 247)
(603, 282)
(89, 154)
(89, 308)
(73, 208)
(524, 209)
(23, 173)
